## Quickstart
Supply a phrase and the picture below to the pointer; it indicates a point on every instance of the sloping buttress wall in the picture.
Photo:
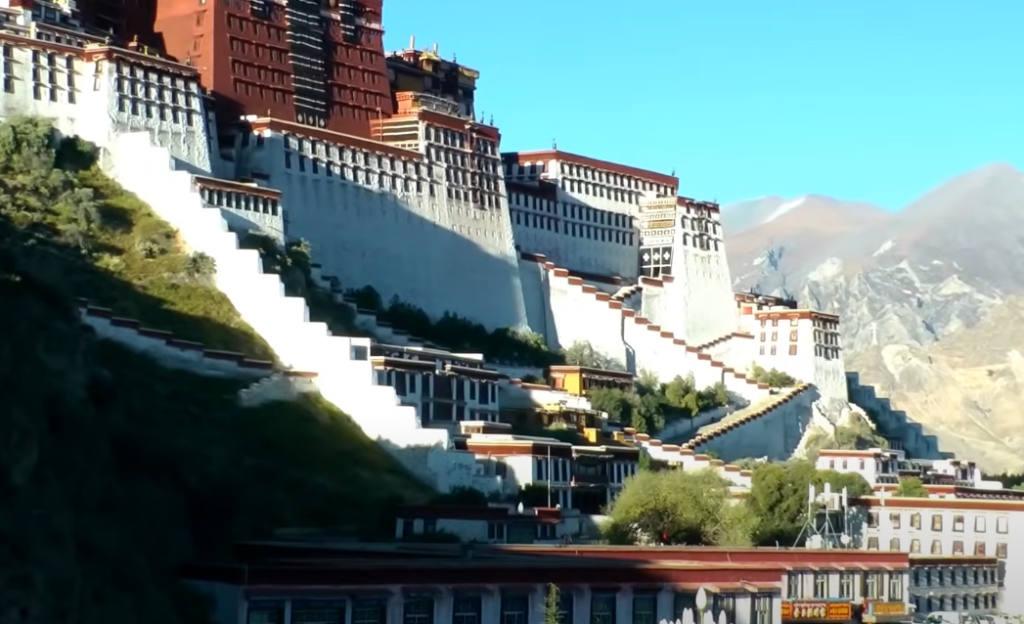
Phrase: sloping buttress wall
(342, 366)
(578, 311)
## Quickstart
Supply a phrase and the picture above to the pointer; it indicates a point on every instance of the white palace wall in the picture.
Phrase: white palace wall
(343, 371)
(96, 93)
(384, 220)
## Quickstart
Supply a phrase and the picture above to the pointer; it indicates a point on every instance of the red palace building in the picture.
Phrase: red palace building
(317, 63)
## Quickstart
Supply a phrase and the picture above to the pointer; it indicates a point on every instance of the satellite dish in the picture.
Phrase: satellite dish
(844, 539)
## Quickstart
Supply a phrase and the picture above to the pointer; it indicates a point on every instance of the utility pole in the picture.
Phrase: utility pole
(550, 468)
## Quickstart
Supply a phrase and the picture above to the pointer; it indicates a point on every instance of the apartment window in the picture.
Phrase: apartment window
(872, 515)
(369, 611)
(894, 544)
(872, 543)
(645, 608)
(466, 609)
(723, 603)
(418, 610)
(515, 609)
(936, 522)
(872, 586)
(936, 547)
(895, 587)
(566, 602)
(794, 586)
(846, 580)
(979, 549)
(1002, 524)
(496, 530)
(761, 607)
(979, 524)
(318, 611)
(915, 546)
(266, 612)
(602, 608)
(820, 585)
(915, 521)
(1001, 550)
(958, 547)
(688, 600)
(894, 519)
(958, 524)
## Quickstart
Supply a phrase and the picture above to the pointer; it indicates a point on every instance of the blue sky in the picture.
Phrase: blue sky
(869, 100)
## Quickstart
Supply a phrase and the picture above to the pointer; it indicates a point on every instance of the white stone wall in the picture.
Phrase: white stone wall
(96, 99)
(702, 277)
(773, 344)
(372, 220)
(170, 352)
(344, 373)
(577, 315)
(775, 434)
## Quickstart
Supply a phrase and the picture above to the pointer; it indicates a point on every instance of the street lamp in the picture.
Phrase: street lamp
(701, 603)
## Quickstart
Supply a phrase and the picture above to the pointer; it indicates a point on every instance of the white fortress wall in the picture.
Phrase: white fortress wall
(381, 216)
(536, 293)
(581, 314)
(736, 350)
(830, 377)
(775, 435)
(99, 91)
(707, 284)
(575, 236)
(344, 372)
(246, 208)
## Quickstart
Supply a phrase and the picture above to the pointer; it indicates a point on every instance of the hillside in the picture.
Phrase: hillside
(931, 298)
(116, 470)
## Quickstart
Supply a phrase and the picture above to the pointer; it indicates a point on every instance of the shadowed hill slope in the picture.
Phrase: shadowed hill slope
(114, 470)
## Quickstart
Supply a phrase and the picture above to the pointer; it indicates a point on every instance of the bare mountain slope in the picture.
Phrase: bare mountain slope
(932, 299)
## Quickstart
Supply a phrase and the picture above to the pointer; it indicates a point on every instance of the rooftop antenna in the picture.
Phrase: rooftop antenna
(492, 121)
(826, 523)
(554, 144)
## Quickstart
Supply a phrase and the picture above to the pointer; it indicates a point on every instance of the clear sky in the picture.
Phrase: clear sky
(870, 100)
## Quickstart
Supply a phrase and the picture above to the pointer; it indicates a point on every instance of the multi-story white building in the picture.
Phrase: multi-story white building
(803, 343)
(955, 583)
(962, 521)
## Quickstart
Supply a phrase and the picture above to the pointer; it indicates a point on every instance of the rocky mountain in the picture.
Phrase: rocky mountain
(932, 298)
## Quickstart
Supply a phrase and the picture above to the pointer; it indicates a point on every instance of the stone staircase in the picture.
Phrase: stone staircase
(343, 373)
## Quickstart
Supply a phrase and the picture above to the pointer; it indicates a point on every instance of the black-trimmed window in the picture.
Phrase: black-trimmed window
(724, 603)
(318, 612)
(515, 609)
(645, 608)
(370, 611)
(266, 612)
(602, 607)
(418, 610)
(466, 608)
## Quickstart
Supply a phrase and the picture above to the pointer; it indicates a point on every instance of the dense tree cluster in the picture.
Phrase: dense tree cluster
(650, 405)
(696, 507)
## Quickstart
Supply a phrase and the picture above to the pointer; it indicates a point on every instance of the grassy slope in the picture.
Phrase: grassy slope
(112, 469)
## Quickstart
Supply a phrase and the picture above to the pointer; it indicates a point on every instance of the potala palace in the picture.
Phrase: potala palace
(399, 185)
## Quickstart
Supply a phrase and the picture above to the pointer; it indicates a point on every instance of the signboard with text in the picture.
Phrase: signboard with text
(820, 611)
(885, 609)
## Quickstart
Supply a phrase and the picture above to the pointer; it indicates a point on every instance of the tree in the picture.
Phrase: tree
(582, 353)
(778, 497)
(679, 507)
(912, 487)
(552, 605)
(773, 377)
